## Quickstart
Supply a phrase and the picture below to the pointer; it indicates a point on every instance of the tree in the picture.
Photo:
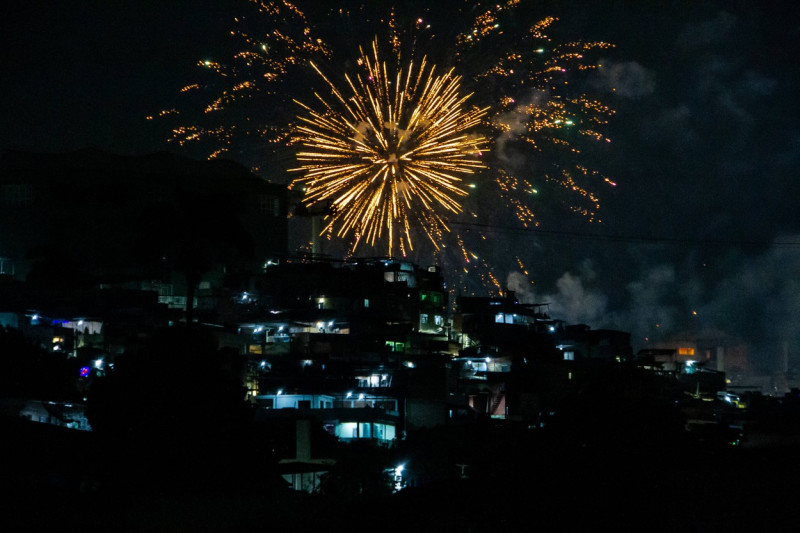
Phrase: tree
(28, 371)
(176, 410)
(193, 236)
(361, 470)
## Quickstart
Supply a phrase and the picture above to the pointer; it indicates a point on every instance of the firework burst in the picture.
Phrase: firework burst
(390, 146)
(389, 156)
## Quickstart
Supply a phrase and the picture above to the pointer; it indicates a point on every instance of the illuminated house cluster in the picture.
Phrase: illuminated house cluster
(363, 350)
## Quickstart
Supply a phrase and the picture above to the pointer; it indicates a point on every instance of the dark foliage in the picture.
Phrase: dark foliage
(361, 470)
(176, 414)
(28, 371)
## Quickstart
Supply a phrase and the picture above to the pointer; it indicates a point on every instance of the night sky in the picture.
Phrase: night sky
(705, 149)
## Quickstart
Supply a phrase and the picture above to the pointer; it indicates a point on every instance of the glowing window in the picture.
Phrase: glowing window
(384, 431)
(396, 346)
(347, 430)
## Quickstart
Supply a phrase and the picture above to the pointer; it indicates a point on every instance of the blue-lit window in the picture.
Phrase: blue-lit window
(347, 430)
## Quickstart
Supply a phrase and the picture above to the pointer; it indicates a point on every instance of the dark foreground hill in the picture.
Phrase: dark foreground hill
(61, 479)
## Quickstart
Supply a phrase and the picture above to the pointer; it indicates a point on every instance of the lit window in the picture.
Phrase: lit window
(7, 267)
(268, 205)
(17, 195)
(347, 430)
(569, 356)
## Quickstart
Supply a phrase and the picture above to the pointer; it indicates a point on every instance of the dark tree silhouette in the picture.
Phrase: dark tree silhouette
(193, 237)
(28, 371)
(361, 470)
(176, 412)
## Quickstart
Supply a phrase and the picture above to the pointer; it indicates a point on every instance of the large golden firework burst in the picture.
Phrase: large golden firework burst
(391, 154)
(546, 136)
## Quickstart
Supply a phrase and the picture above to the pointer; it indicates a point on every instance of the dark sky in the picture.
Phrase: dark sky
(706, 145)
(87, 73)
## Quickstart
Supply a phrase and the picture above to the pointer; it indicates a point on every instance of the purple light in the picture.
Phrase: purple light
(85, 371)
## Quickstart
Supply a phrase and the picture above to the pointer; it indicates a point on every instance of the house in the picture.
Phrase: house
(63, 414)
(92, 218)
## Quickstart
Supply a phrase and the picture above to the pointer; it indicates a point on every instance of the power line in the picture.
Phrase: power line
(625, 238)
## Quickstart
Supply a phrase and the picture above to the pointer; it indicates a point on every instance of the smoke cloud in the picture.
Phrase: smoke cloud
(628, 79)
